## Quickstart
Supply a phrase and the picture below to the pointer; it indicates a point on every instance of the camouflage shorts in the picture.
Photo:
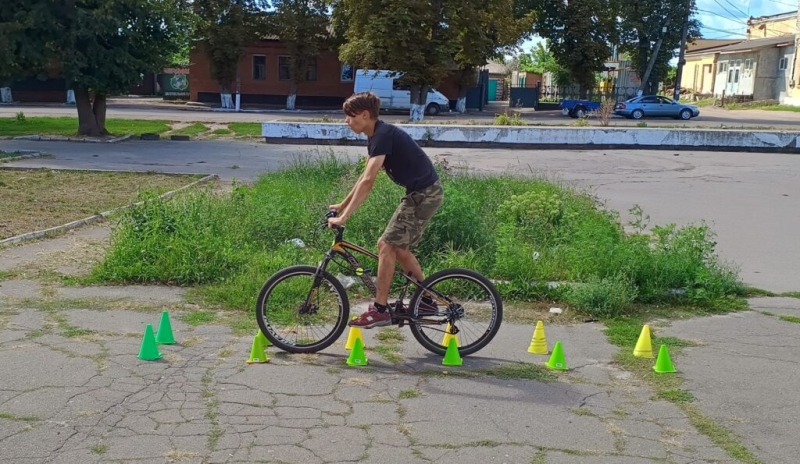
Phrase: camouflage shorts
(412, 216)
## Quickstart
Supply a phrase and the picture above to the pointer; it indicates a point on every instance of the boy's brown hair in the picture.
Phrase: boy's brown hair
(364, 101)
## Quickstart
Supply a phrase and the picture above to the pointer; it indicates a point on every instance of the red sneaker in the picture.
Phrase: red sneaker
(372, 318)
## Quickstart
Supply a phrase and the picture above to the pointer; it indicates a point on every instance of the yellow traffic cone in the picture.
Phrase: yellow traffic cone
(539, 341)
(257, 353)
(353, 335)
(448, 336)
(644, 347)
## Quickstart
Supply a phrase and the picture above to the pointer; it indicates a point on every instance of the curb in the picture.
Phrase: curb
(58, 138)
(26, 154)
(546, 137)
(97, 217)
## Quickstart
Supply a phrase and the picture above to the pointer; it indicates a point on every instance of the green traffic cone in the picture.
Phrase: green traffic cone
(451, 356)
(557, 360)
(357, 356)
(164, 335)
(258, 355)
(663, 362)
(149, 350)
(264, 339)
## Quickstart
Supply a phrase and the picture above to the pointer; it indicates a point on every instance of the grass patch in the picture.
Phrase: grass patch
(68, 126)
(676, 396)
(408, 394)
(222, 131)
(390, 353)
(191, 130)
(794, 319)
(99, 449)
(521, 231)
(245, 129)
(719, 435)
(791, 294)
(13, 417)
(390, 335)
(519, 370)
(199, 318)
(40, 199)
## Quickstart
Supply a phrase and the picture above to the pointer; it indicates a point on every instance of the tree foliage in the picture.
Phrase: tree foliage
(224, 29)
(100, 47)
(303, 27)
(580, 34)
(541, 60)
(641, 23)
(485, 30)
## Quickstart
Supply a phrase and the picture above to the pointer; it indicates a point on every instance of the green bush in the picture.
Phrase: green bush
(522, 232)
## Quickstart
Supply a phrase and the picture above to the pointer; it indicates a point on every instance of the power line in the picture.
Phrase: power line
(737, 8)
(722, 30)
(723, 7)
(738, 21)
(783, 3)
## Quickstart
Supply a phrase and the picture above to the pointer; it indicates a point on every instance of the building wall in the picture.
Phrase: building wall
(699, 74)
(771, 27)
(329, 89)
(733, 76)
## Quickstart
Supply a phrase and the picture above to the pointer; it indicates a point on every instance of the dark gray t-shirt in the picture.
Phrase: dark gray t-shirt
(405, 162)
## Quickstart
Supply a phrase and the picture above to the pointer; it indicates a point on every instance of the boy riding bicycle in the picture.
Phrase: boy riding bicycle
(392, 149)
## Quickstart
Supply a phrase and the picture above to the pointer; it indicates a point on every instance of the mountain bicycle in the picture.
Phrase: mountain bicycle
(305, 309)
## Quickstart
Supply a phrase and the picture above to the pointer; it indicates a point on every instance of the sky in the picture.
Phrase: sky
(723, 19)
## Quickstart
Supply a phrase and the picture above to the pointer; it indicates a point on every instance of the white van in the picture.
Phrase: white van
(395, 96)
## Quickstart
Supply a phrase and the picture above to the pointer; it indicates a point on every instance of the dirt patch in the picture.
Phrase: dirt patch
(39, 199)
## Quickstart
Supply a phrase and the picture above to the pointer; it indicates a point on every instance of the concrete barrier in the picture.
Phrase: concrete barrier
(546, 137)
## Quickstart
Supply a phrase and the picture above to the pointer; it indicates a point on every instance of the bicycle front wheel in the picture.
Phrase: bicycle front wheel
(474, 312)
(300, 315)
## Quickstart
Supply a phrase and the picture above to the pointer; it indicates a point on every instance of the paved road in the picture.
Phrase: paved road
(149, 109)
(749, 200)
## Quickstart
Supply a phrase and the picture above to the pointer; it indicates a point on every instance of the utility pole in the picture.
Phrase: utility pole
(652, 59)
(682, 51)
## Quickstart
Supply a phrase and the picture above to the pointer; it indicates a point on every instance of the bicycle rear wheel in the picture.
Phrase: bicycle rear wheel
(474, 309)
(299, 316)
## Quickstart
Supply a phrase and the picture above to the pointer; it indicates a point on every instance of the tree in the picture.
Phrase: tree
(411, 37)
(224, 29)
(302, 25)
(580, 34)
(99, 47)
(485, 29)
(541, 61)
(641, 23)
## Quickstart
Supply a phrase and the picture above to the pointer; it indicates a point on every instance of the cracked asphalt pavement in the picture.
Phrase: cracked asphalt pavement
(73, 391)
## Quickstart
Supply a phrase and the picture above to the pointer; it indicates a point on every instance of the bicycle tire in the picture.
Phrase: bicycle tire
(262, 304)
(497, 309)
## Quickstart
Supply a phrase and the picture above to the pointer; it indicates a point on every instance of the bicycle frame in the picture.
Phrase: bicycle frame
(342, 247)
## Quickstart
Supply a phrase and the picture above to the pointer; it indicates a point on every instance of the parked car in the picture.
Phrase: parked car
(394, 96)
(578, 108)
(655, 106)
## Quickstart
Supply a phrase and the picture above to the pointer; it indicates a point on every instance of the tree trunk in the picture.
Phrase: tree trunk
(5, 95)
(225, 97)
(91, 114)
(461, 103)
(419, 97)
(291, 99)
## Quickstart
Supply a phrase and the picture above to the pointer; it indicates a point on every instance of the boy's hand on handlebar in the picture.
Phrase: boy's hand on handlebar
(335, 222)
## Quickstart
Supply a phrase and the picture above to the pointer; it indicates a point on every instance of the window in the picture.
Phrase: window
(346, 73)
(783, 64)
(723, 66)
(285, 73)
(748, 64)
(650, 99)
(397, 86)
(259, 67)
(665, 100)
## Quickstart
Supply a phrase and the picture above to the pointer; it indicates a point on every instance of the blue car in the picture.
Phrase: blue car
(655, 106)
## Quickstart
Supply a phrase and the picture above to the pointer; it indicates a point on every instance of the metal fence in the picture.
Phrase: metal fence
(550, 95)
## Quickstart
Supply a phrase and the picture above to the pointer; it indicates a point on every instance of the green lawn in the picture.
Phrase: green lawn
(68, 126)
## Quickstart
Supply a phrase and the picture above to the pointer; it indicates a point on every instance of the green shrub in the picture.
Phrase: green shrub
(522, 232)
